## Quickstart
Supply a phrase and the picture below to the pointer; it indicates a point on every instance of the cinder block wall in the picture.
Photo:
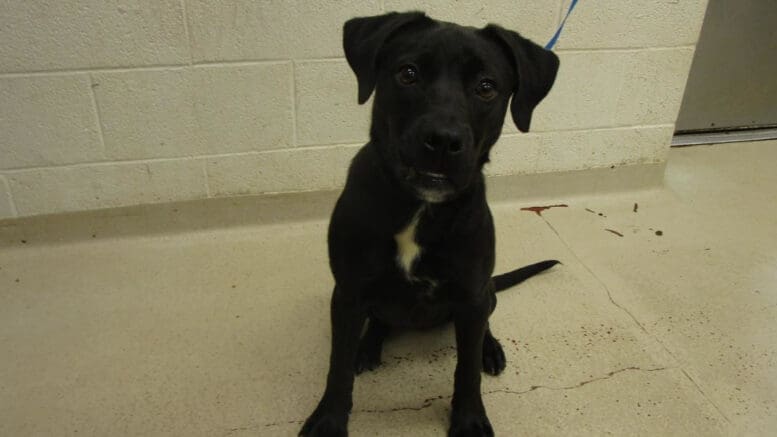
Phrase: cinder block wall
(119, 102)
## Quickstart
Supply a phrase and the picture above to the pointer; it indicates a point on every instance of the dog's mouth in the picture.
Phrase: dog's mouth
(435, 178)
(426, 178)
(430, 186)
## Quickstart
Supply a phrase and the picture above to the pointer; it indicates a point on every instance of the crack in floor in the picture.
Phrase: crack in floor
(698, 387)
(633, 317)
(580, 384)
(428, 402)
(606, 288)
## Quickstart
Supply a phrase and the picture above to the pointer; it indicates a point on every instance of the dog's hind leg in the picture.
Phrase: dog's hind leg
(494, 360)
(371, 345)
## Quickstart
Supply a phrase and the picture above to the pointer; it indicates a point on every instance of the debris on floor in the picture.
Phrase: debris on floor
(538, 209)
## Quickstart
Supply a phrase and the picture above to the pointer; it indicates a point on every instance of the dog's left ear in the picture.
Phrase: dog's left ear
(536, 69)
(363, 38)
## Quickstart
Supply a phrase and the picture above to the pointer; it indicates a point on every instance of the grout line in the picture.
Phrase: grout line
(208, 191)
(624, 49)
(227, 63)
(161, 67)
(293, 148)
(156, 67)
(186, 31)
(109, 162)
(328, 145)
(267, 61)
(324, 59)
(594, 129)
(294, 104)
(11, 201)
(98, 118)
(239, 63)
(186, 158)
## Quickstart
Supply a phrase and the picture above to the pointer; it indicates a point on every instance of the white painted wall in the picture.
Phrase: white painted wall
(122, 102)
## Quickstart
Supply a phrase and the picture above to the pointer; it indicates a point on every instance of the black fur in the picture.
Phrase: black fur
(434, 121)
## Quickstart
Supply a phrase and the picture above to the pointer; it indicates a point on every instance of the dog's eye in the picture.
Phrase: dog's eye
(486, 90)
(407, 75)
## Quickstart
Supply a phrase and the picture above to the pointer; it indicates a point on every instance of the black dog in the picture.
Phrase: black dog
(411, 239)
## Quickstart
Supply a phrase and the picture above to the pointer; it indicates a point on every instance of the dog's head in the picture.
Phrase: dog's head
(441, 94)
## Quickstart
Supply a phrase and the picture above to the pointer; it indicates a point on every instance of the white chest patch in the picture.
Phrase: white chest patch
(407, 248)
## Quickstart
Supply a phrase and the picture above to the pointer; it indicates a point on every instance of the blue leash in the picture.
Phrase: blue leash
(553, 40)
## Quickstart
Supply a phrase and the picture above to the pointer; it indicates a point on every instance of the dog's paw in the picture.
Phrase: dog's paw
(367, 358)
(494, 360)
(470, 425)
(324, 425)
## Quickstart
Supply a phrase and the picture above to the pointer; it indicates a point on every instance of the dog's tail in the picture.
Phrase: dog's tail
(507, 280)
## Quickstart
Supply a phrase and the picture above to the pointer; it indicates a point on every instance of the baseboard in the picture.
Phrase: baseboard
(714, 137)
(273, 209)
(558, 185)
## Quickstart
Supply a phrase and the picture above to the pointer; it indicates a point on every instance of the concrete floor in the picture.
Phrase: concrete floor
(148, 322)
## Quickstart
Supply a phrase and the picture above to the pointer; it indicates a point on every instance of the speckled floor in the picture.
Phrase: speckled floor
(148, 322)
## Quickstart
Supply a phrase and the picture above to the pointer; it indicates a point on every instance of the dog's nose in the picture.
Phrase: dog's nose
(449, 141)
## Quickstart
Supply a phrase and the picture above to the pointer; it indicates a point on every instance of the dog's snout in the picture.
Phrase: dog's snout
(450, 141)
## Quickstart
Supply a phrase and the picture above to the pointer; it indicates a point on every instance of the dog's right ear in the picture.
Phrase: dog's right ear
(362, 40)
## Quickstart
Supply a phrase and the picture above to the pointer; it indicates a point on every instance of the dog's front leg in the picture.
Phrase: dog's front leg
(468, 416)
(330, 418)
